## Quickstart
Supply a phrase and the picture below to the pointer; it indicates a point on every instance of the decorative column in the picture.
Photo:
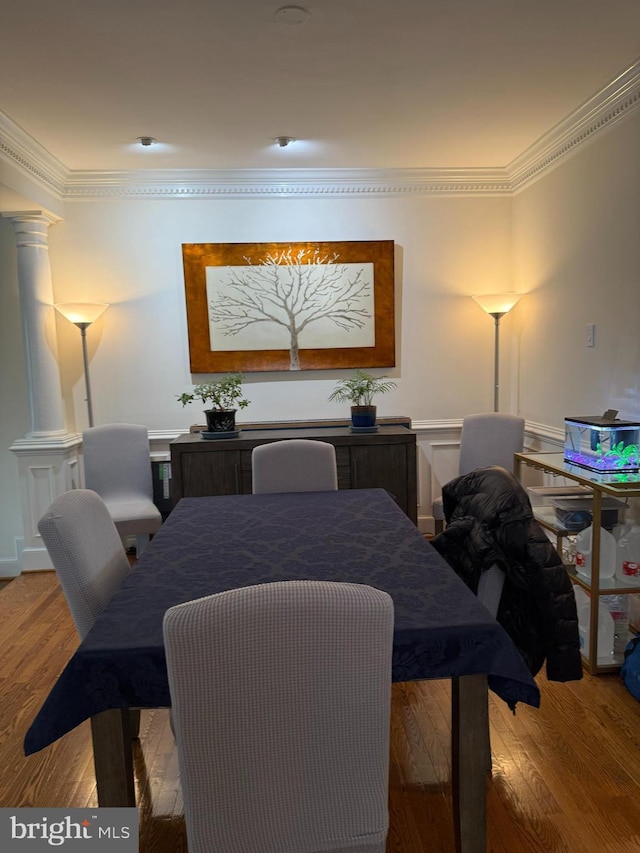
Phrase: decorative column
(38, 323)
(48, 454)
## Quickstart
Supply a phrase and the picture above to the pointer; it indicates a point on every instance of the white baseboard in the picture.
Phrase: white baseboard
(426, 524)
(36, 560)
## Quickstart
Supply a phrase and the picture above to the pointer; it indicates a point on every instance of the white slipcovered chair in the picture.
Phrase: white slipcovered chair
(487, 438)
(88, 556)
(86, 552)
(117, 465)
(294, 465)
(281, 705)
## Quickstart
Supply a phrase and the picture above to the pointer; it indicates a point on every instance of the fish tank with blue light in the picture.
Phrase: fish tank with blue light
(603, 444)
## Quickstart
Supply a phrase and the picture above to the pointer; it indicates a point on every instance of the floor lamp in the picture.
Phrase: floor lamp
(82, 315)
(497, 305)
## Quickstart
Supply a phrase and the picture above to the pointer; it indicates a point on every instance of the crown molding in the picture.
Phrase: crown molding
(602, 111)
(276, 183)
(32, 159)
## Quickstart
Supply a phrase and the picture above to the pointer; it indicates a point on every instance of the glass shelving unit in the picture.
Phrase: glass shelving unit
(623, 486)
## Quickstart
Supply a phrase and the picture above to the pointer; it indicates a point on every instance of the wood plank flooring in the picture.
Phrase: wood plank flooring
(566, 777)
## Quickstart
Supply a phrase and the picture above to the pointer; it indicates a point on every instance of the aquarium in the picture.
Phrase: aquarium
(602, 444)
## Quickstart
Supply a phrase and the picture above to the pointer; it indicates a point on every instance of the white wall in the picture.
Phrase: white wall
(576, 245)
(128, 253)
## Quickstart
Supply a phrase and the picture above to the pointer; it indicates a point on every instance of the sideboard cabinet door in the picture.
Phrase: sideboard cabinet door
(217, 473)
(381, 467)
(343, 464)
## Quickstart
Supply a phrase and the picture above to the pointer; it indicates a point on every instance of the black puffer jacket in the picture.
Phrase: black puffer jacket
(489, 520)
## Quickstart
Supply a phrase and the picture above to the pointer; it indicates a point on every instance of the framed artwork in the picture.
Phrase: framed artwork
(289, 306)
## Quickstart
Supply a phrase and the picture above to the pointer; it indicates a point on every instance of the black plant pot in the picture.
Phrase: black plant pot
(221, 420)
(363, 417)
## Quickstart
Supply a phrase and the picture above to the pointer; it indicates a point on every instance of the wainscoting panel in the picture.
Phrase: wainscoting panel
(439, 454)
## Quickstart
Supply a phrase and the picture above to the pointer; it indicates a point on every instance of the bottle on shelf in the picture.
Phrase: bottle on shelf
(618, 607)
(606, 627)
(584, 541)
(628, 555)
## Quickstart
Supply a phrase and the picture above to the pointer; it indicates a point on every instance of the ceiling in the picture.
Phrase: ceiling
(375, 84)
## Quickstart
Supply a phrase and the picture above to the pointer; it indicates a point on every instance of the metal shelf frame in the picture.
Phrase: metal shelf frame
(625, 486)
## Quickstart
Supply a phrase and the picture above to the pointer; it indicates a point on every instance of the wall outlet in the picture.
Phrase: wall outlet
(591, 335)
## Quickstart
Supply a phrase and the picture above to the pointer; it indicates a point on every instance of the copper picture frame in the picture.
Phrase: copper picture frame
(289, 306)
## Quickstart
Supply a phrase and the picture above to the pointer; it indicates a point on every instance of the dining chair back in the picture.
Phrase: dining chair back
(86, 552)
(117, 465)
(89, 558)
(490, 588)
(281, 695)
(294, 465)
(487, 438)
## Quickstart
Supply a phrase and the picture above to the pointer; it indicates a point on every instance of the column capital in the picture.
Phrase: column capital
(32, 227)
(43, 216)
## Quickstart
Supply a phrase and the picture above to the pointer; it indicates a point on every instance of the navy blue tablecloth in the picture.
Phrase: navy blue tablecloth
(212, 544)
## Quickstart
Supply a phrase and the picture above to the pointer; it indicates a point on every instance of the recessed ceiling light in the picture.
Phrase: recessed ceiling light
(291, 15)
(146, 141)
(283, 141)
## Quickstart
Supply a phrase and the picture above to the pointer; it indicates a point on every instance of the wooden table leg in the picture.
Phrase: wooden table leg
(111, 735)
(469, 726)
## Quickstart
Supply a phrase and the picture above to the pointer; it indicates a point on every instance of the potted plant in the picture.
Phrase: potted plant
(225, 398)
(359, 389)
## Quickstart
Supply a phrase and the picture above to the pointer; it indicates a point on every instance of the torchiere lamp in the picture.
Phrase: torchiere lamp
(82, 315)
(497, 305)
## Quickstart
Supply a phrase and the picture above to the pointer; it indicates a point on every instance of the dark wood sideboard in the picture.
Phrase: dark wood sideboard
(385, 459)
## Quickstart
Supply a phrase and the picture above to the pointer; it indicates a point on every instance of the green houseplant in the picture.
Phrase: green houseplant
(224, 397)
(359, 390)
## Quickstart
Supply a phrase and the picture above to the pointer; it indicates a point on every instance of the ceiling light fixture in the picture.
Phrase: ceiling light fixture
(146, 141)
(283, 141)
(291, 15)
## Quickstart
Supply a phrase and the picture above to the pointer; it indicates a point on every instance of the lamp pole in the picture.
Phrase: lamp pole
(497, 315)
(82, 315)
(497, 305)
(85, 358)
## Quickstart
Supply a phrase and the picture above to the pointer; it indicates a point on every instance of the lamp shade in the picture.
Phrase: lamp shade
(82, 312)
(497, 303)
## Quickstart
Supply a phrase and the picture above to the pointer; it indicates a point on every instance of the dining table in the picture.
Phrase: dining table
(212, 544)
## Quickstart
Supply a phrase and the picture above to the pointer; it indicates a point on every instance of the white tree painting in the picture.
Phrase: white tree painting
(292, 299)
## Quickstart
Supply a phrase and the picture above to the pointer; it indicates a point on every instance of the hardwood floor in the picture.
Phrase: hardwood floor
(565, 777)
